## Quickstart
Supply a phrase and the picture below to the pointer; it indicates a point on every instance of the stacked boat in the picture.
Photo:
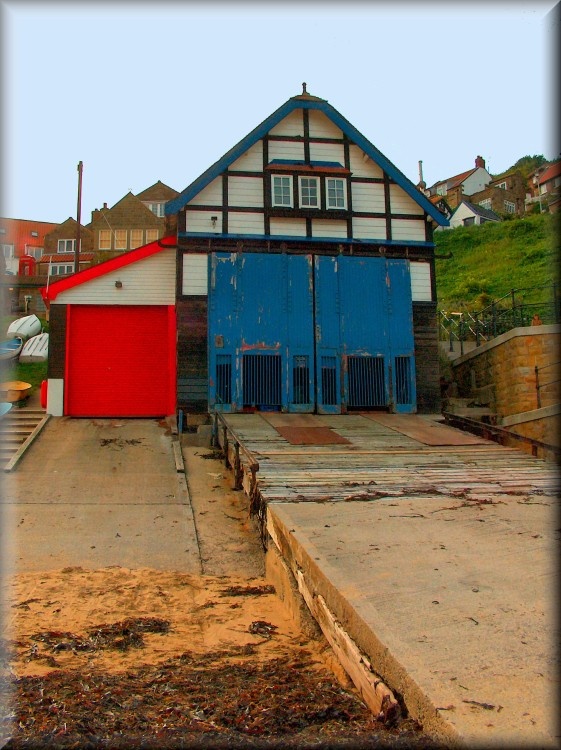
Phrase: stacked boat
(25, 341)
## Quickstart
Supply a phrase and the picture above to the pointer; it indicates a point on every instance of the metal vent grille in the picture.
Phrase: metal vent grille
(224, 379)
(261, 380)
(403, 380)
(329, 381)
(366, 382)
(301, 379)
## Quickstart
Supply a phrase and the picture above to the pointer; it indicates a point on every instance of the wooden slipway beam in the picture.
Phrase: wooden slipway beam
(377, 696)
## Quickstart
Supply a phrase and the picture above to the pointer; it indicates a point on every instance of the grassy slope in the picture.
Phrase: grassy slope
(490, 260)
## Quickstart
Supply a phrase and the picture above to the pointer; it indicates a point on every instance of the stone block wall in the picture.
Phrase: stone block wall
(508, 363)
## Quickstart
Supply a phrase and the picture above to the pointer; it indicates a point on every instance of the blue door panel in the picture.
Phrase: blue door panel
(296, 333)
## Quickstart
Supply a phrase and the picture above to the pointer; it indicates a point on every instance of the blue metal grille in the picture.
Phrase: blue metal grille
(329, 381)
(403, 380)
(300, 379)
(223, 379)
(366, 382)
(261, 380)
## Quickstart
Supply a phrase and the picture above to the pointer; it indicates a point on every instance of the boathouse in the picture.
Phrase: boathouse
(305, 274)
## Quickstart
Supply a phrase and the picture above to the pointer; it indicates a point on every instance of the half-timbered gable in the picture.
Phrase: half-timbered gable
(305, 183)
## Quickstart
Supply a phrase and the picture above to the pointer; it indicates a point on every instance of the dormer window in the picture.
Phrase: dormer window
(282, 191)
(335, 193)
(309, 192)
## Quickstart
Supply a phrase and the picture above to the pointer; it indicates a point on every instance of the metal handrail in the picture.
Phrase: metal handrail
(539, 385)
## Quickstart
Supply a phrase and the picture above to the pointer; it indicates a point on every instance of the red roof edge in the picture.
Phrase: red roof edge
(50, 292)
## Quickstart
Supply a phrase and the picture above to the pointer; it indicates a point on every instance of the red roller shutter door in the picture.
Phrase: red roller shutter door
(120, 361)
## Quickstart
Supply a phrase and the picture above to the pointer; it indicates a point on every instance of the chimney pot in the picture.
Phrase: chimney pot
(480, 162)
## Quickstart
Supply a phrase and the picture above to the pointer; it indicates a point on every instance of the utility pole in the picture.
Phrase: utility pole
(79, 218)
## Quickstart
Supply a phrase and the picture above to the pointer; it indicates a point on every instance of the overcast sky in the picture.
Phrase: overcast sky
(141, 92)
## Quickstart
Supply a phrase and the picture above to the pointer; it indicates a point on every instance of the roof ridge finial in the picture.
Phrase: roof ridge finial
(304, 89)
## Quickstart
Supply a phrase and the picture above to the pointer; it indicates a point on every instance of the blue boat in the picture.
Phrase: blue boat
(4, 408)
(11, 348)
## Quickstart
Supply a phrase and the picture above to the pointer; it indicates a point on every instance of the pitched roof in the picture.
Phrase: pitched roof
(113, 264)
(304, 101)
(452, 182)
(552, 171)
(485, 213)
(157, 192)
(65, 258)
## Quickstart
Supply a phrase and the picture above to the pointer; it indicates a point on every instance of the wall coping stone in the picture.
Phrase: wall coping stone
(504, 337)
(529, 416)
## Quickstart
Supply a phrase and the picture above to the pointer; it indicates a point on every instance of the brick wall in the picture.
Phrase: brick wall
(427, 360)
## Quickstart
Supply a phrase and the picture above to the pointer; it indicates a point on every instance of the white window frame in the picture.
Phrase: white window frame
(288, 187)
(501, 185)
(121, 240)
(158, 209)
(105, 233)
(59, 269)
(301, 189)
(134, 243)
(510, 207)
(8, 251)
(64, 244)
(486, 203)
(328, 204)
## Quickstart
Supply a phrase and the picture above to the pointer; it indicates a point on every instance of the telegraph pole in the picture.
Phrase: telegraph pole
(79, 218)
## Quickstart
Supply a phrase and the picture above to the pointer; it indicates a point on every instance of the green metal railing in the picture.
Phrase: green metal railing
(520, 307)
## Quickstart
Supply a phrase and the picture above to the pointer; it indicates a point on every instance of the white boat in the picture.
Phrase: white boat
(25, 327)
(11, 348)
(35, 349)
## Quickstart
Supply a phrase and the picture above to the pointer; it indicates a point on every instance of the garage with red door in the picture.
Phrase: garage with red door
(118, 361)
(112, 348)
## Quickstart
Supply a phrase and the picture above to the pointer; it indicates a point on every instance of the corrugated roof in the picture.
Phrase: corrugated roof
(305, 101)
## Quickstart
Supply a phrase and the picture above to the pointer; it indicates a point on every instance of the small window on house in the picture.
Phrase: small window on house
(152, 235)
(35, 252)
(441, 190)
(510, 207)
(309, 192)
(485, 203)
(157, 208)
(501, 185)
(120, 239)
(66, 246)
(335, 193)
(8, 251)
(35, 234)
(469, 220)
(282, 191)
(105, 239)
(136, 238)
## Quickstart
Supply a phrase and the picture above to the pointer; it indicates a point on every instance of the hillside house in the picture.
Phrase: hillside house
(467, 214)
(305, 274)
(464, 184)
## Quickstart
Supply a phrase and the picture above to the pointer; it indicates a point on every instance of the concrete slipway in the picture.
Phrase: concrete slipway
(427, 555)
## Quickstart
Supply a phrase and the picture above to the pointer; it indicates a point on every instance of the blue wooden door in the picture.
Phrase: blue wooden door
(299, 334)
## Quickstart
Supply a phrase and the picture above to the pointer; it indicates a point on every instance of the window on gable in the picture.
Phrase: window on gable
(158, 209)
(501, 185)
(105, 239)
(309, 192)
(120, 239)
(510, 207)
(136, 238)
(335, 192)
(66, 246)
(152, 235)
(282, 191)
(485, 203)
